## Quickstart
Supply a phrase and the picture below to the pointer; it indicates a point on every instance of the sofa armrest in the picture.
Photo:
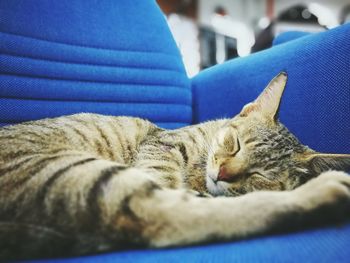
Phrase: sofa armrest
(316, 104)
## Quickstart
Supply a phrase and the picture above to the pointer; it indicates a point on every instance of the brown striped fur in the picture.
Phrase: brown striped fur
(89, 183)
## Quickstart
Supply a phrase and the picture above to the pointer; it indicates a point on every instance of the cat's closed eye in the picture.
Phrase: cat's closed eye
(233, 147)
(229, 142)
(258, 175)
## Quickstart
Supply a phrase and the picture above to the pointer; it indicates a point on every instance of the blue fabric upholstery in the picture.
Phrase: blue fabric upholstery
(288, 36)
(63, 57)
(316, 103)
(118, 57)
(322, 245)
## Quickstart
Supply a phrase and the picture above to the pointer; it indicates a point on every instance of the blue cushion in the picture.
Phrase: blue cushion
(316, 103)
(53, 54)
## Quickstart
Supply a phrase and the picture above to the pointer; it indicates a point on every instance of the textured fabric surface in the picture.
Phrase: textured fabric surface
(288, 36)
(64, 57)
(105, 24)
(316, 246)
(316, 103)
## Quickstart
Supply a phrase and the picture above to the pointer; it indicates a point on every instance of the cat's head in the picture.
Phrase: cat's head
(254, 151)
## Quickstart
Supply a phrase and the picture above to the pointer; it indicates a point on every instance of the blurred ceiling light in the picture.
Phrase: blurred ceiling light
(264, 22)
(306, 14)
(325, 16)
(243, 34)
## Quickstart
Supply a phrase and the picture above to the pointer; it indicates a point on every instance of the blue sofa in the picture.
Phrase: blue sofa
(118, 57)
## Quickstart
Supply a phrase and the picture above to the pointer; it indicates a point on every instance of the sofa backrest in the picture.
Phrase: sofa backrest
(111, 57)
(316, 102)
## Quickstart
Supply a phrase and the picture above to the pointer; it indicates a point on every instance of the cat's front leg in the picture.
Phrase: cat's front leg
(324, 198)
(175, 217)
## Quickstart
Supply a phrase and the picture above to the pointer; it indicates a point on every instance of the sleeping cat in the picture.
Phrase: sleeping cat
(89, 183)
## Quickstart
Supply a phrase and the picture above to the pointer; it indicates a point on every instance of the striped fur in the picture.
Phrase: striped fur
(89, 183)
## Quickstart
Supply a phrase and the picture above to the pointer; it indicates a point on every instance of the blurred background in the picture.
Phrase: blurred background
(209, 32)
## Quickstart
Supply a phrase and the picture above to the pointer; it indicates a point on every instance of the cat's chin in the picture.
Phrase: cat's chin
(215, 189)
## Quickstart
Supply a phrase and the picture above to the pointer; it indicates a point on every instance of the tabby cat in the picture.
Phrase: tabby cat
(88, 183)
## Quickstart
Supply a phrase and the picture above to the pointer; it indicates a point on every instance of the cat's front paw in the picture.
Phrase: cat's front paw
(327, 196)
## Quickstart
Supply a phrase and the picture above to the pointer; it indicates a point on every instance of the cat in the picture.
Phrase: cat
(89, 183)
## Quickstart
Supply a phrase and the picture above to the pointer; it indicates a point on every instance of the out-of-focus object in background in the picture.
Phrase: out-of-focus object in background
(225, 25)
(209, 32)
(297, 18)
(181, 17)
(185, 33)
(223, 38)
(345, 15)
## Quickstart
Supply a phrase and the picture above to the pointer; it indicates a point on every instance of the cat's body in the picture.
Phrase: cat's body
(89, 183)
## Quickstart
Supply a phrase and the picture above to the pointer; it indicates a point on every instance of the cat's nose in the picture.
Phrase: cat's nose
(223, 175)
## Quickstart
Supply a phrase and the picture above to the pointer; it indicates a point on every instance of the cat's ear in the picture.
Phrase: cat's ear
(321, 162)
(269, 100)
